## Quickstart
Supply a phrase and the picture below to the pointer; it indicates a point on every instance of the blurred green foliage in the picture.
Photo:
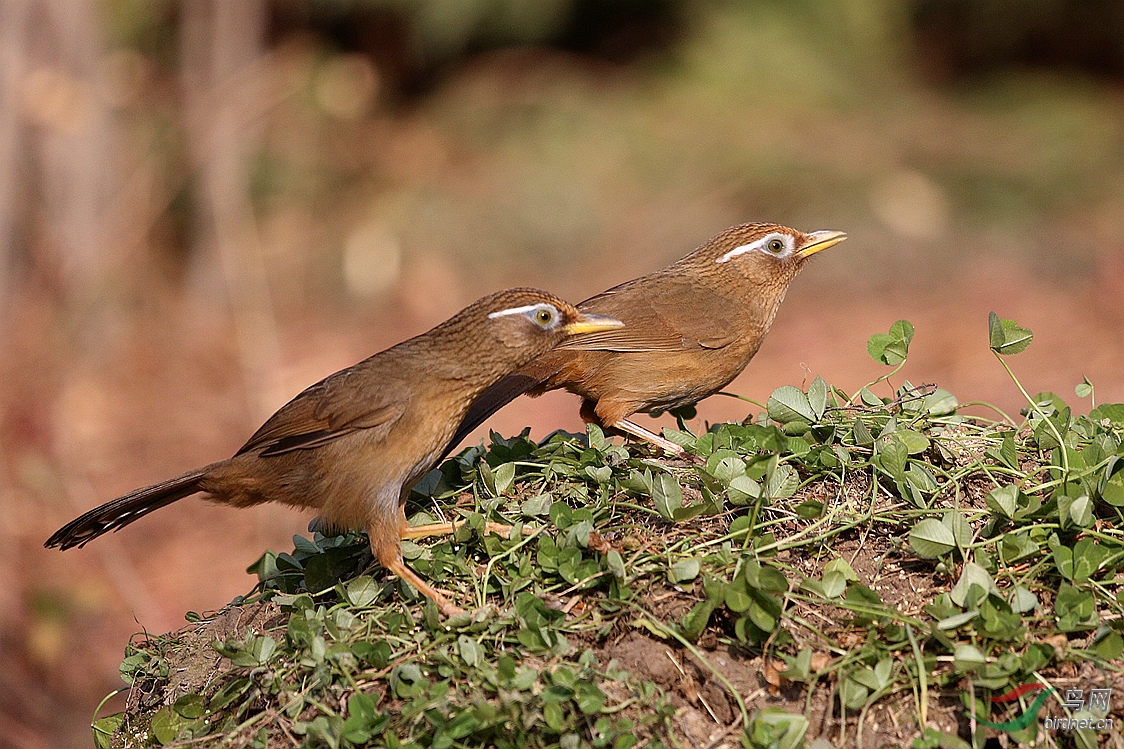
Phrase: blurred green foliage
(509, 136)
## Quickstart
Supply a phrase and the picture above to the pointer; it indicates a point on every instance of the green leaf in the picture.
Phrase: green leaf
(561, 515)
(615, 563)
(667, 496)
(1108, 413)
(1113, 490)
(765, 611)
(1003, 500)
(968, 657)
(537, 505)
(553, 716)
(940, 402)
(834, 584)
(229, 694)
(972, 575)
(1075, 510)
(738, 598)
(1088, 556)
(1023, 600)
(765, 577)
(683, 571)
(818, 393)
(588, 698)
(725, 466)
(695, 621)
(868, 398)
(105, 728)
(800, 667)
(596, 436)
(408, 681)
(893, 347)
(930, 538)
(773, 727)
(189, 706)
(639, 483)
(1006, 337)
(1076, 609)
(921, 478)
(681, 438)
(915, 442)
(362, 591)
(960, 527)
(841, 566)
(1108, 646)
(166, 725)
(852, 693)
(1007, 454)
(862, 600)
(1084, 388)
(788, 404)
(956, 621)
(504, 477)
(599, 474)
(740, 526)
(861, 433)
(742, 490)
(933, 738)
(470, 651)
(361, 712)
(781, 482)
(890, 456)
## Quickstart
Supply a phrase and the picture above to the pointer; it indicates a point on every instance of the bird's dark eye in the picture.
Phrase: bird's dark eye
(775, 246)
(544, 316)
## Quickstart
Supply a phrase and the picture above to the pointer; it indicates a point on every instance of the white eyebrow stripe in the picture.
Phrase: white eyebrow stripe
(739, 251)
(518, 310)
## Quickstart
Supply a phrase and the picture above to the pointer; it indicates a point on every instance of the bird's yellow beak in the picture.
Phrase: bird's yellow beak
(588, 323)
(820, 240)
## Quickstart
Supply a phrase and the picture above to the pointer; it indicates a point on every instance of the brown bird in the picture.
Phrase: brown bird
(689, 329)
(353, 445)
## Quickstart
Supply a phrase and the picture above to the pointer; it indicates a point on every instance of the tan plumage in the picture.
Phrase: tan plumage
(352, 445)
(690, 328)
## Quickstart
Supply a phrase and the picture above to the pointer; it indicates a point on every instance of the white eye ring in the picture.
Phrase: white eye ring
(774, 245)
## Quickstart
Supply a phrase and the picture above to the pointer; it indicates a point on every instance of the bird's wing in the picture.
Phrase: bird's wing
(340, 404)
(661, 314)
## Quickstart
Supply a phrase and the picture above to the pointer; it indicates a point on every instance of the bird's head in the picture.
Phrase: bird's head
(768, 255)
(526, 323)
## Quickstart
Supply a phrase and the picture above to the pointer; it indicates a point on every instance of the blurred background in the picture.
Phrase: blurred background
(206, 206)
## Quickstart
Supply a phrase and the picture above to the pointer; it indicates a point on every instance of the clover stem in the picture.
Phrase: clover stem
(1038, 410)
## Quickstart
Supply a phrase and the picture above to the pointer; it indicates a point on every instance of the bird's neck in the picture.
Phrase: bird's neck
(449, 355)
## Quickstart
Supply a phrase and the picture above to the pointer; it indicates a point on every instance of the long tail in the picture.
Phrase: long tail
(492, 400)
(124, 510)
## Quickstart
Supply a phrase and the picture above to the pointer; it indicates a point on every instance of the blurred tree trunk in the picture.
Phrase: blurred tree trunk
(59, 148)
(224, 80)
(13, 50)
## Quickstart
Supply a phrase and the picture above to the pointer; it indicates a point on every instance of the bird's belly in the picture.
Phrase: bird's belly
(657, 381)
(349, 483)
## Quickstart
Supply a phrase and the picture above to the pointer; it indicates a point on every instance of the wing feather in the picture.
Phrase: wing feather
(328, 410)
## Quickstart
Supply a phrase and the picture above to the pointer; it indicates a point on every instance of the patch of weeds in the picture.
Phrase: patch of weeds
(863, 569)
(345, 671)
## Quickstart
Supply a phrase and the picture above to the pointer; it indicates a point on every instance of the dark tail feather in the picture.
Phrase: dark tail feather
(492, 400)
(124, 510)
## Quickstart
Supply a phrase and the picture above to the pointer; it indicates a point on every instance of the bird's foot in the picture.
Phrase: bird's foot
(448, 529)
(444, 605)
(659, 441)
